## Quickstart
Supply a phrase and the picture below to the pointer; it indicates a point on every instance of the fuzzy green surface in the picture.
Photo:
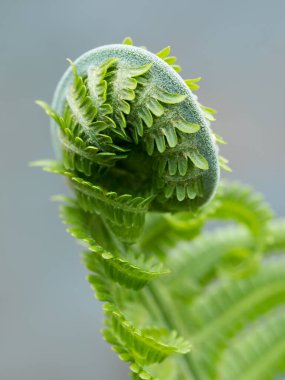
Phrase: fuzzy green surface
(164, 77)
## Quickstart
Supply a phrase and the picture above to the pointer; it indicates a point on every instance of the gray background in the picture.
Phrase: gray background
(49, 321)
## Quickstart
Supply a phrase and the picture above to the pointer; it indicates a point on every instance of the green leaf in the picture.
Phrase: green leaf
(186, 126)
(198, 159)
(128, 41)
(49, 111)
(155, 107)
(170, 60)
(170, 135)
(168, 98)
(164, 52)
(146, 116)
(176, 68)
(145, 348)
(136, 71)
(192, 83)
(80, 102)
(125, 272)
(97, 85)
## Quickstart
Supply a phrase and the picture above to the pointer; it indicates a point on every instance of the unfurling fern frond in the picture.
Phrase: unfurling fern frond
(242, 204)
(137, 150)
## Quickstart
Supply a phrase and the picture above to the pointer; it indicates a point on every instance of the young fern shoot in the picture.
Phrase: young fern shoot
(139, 154)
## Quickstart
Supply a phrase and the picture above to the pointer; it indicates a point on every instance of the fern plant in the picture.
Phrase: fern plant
(142, 161)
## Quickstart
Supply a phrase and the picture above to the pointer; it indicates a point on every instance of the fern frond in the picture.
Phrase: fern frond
(119, 269)
(201, 260)
(225, 252)
(97, 85)
(153, 118)
(139, 372)
(140, 156)
(80, 103)
(120, 89)
(145, 348)
(162, 232)
(78, 153)
(130, 271)
(242, 299)
(257, 353)
(224, 310)
(240, 203)
(116, 209)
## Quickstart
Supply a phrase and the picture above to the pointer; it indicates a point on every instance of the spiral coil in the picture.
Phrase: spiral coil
(133, 137)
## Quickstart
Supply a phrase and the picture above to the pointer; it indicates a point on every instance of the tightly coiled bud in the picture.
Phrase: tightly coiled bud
(132, 137)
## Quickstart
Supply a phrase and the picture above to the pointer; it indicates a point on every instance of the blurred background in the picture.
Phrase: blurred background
(49, 321)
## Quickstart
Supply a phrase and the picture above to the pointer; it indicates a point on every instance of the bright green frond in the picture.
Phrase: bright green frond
(224, 310)
(130, 271)
(145, 348)
(240, 203)
(80, 102)
(257, 353)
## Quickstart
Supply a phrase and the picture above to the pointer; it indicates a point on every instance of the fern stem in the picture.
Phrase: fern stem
(151, 304)
(173, 322)
(160, 306)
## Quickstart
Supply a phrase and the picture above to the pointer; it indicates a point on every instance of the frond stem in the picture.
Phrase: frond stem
(173, 322)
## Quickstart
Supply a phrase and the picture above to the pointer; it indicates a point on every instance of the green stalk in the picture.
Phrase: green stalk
(173, 321)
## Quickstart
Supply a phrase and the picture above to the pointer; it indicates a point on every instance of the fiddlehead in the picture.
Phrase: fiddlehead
(133, 137)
